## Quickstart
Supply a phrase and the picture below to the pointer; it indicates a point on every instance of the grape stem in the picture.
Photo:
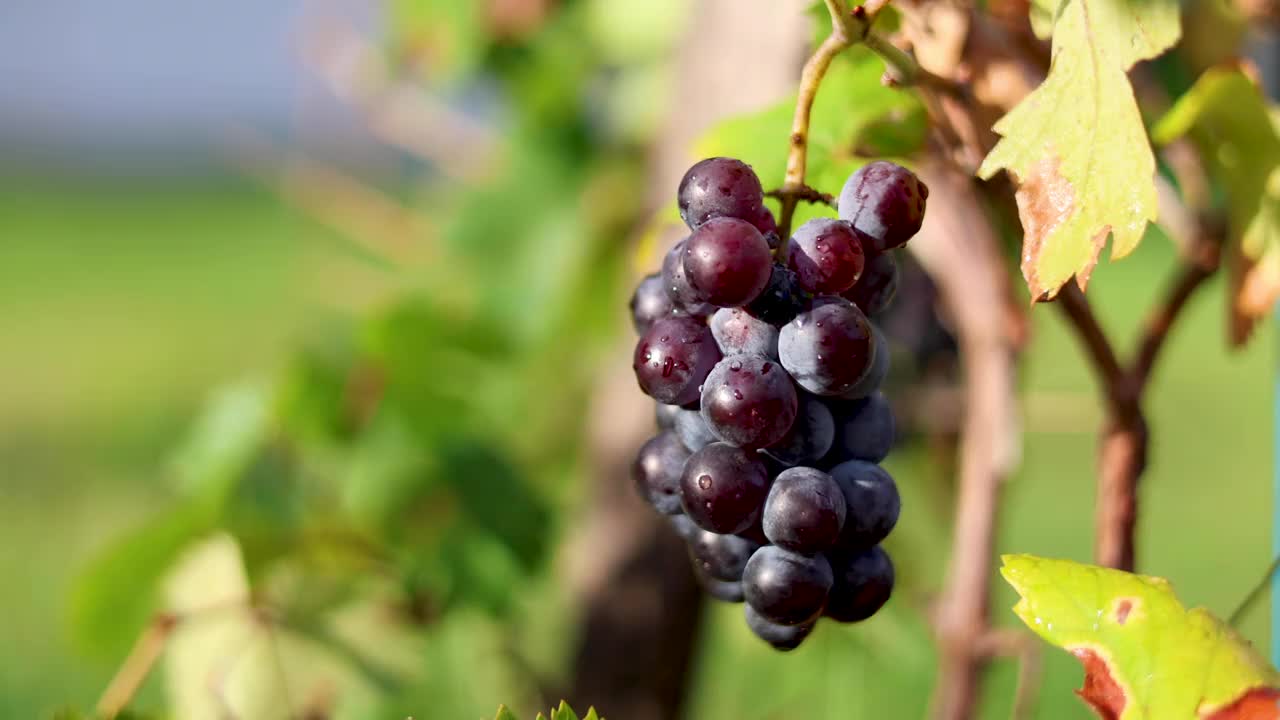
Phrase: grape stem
(848, 28)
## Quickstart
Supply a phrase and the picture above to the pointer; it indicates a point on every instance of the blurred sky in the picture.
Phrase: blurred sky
(147, 86)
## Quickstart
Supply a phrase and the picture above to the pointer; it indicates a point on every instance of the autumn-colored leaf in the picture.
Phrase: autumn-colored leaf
(1226, 116)
(1076, 146)
(1145, 655)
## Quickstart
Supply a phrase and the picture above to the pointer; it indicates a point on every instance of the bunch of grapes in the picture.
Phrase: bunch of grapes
(766, 372)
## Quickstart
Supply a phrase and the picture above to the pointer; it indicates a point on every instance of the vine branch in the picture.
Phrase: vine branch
(848, 28)
(1122, 456)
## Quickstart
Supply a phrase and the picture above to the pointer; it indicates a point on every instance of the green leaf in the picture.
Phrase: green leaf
(224, 441)
(1227, 117)
(116, 595)
(563, 712)
(1043, 15)
(1145, 655)
(1076, 145)
(449, 35)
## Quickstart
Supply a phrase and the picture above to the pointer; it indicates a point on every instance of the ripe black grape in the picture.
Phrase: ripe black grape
(826, 256)
(748, 401)
(720, 556)
(782, 298)
(828, 348)
(785, 587)
(739, 332)
(879, 283)
(876, 374)
(727, 262)
(649, 302)
(780, 637)
(766, 372)
(767, 226)
(672, 359)
(683, 526)
(810, 437)
(885, 202)
(723, 488)
(863, 584)
(656, 472)
(864, 430)
(685, 299)
(723, 590)
(872, 502)
(692, 430)
(719, 187)
(805, 511)
(665, 415)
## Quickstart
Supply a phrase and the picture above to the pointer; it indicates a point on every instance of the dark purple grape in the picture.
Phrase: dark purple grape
(672, 359)
(755, 533)
(780, 637)
(727, 262)
(723, 488)
(805, 511)
(826, 256)
(767, 226)
(723, 590)
(739, 332)
(810, 436)
(885, 202)
(720, 556)
(785, 587)
(872, 500)
(656, 472)
(665, 415)
(879, 283)
(878, 372)
(649, 302)
(781, 300)
(686, 300)
(719, 187)
(693, 430)
(828, 348)
(864, 430)
(683, 526)
(863, 584)
(749, 401)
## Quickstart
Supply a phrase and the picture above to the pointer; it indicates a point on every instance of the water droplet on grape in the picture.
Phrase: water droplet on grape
(735, 366)
(667, 366)
(704, 482)
(737, 394)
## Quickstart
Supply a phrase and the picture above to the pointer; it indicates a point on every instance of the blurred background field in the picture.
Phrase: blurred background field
(137, 278)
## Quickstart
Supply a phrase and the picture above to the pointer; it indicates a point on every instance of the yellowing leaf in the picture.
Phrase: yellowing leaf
(1145, 655)
(1227, 117)
(1076, 145)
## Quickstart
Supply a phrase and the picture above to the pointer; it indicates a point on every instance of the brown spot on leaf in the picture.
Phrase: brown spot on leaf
(1100, 690)
(1099, 240)
(1045, 200)
(1122, 610)
(1256, 704)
